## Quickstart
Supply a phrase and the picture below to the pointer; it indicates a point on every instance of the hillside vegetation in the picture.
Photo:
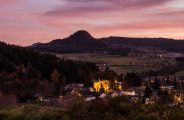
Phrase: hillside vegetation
(24, 72)
(111, 109)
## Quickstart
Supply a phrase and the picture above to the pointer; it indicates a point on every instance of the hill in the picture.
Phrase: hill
(171, 45)
(79, 42)
(25, 73)
(83, 42)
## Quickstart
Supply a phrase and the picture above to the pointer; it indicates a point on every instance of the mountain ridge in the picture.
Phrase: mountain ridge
(83, 42)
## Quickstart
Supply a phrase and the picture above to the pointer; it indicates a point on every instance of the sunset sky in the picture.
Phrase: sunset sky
(24, 22)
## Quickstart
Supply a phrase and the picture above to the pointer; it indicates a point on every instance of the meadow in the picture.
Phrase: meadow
(121, 64)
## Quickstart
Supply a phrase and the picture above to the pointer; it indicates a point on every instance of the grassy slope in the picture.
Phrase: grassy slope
(113, 109)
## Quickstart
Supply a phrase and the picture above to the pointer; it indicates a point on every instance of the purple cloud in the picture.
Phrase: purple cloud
(87, 6)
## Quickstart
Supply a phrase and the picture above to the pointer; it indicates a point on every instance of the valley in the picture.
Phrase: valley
(123, 64)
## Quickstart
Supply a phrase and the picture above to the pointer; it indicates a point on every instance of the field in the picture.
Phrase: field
(121, 64)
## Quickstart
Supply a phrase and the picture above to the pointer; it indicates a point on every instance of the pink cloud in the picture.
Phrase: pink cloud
(80, 7)
(27, 21)
(3, 2)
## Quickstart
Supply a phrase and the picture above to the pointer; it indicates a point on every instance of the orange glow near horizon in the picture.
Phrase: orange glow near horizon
(24, 22)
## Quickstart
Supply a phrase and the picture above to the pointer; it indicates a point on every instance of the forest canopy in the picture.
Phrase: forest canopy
(25, 72)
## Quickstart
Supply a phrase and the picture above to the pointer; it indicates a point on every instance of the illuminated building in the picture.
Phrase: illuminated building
(178, 98)
(106, 85)
(118, 85)
(102, 84)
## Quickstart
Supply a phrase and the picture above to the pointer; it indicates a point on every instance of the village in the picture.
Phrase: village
(152, 91)
(135, 88)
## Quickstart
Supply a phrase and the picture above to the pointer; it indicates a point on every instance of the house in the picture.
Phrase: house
(102, 85)
(103, 95)
(169, 89)
(149, 101)
(134, 99)
(91, 89)
(128, 93)
(74, 86)
(102, 66)
(114, 94)
(118, 85)
(106, 86)
(178, 99)
(90, 98)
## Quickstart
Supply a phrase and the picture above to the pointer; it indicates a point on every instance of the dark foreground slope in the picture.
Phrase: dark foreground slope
(82, 42)
(24, 72)
(113, 109)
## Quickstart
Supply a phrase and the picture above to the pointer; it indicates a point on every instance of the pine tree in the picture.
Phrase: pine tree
(156, 84)
(147, 92)
(55, 76)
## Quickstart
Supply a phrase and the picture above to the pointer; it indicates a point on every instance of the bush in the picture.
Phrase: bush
(111, 109)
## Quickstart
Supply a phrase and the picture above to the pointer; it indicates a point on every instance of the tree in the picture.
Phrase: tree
(124, 82)
(156, 85)
(133, 79)
(147, 92)
(55, 77)
(24, 72)
(168, 81)
(182, 82)
(175, 84)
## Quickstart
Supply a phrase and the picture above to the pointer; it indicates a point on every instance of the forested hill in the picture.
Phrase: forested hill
(82, 42)
(25, 72)
(79, 42)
